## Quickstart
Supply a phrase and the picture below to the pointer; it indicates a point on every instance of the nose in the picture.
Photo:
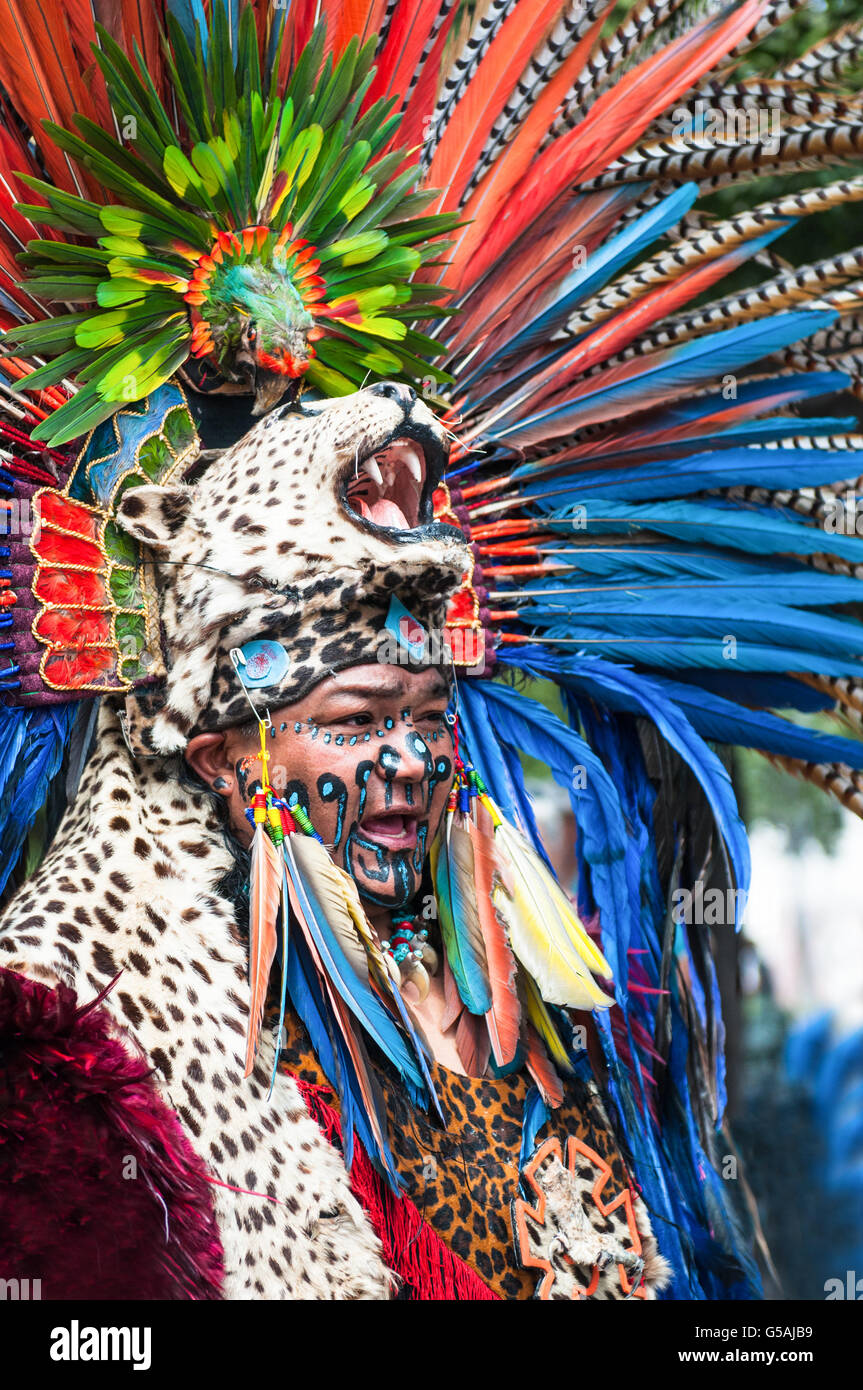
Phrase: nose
(394, 391)
(403, 758)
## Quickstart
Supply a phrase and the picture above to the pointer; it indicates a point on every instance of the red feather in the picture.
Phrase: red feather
(73, 629)
(508, 54)
(395, 66)
(614, 123)
(515, 160)
(72, 589)
(93, 666)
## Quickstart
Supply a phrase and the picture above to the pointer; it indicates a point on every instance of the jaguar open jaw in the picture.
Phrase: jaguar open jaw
(389, 489)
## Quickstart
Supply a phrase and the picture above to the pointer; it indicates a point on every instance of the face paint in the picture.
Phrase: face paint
(390, 761)
(332, 788)
(441, 772)
(245, 769)
(420, 851)
(296, 791)
(360, 752)
(364, 770)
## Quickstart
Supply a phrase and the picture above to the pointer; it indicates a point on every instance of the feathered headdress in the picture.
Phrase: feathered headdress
(657, 507)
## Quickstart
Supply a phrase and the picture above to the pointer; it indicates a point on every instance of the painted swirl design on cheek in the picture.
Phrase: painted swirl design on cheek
(296, 792)
(441, 772)
(332, 788)
(363, 773)
(243, 770)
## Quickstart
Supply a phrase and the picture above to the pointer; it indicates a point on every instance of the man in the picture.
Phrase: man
(178, 1175)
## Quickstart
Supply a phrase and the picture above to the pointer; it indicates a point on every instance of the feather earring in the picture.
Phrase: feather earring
(345, 985)
(265, 896)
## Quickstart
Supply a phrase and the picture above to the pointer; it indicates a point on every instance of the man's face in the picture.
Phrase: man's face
(368, 754)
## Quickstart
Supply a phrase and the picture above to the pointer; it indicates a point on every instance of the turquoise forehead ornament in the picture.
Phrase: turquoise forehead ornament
(406, 629)
(261, 663)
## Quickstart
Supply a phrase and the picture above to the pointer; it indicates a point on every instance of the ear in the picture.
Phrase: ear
(208, 755)
(154, 514)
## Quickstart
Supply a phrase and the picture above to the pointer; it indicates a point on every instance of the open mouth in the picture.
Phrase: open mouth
(392, 831)
(389, 489)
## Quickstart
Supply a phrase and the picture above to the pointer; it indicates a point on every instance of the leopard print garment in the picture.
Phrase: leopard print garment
(463, 1177)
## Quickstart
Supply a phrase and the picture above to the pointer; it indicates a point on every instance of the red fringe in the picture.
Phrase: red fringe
(426, 1267)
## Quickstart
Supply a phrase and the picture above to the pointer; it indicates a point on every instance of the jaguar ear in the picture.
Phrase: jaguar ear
(154, 514)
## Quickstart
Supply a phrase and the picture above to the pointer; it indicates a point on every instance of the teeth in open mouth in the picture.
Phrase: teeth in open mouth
(413, 463)
(388, 487)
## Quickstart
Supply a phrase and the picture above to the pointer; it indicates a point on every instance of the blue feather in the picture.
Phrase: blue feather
(749, 465)
(759, 530)
(358, 996)
(466, 965)
(629, 564)
(534, 1116)
(683, 366)
(191, 18)
(766, 692)
(702, 611)
(335, 1060)
(599, 267)
(32, 743)
(502, 774)
(725, 722)
(620, 688)
(673, 653)
(529, 727)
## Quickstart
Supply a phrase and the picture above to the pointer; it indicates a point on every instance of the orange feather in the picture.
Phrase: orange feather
(613, 124)
(515, 160)
(410, 26)
(508, 54)
(41, 68)
(541, 1069)
(348, 19)
(504, 1016)
(265, 891)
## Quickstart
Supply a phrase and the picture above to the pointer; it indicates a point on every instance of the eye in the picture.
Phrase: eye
(355, 719)
(431, 716)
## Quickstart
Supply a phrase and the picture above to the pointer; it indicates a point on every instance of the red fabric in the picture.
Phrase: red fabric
(79, 1115)
(427, 1268)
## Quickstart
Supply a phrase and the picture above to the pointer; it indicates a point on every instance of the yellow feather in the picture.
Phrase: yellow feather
(538, 934)
(584, 944)
(544, 1024)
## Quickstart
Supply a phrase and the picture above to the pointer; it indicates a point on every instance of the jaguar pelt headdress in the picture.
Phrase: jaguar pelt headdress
(301, 531)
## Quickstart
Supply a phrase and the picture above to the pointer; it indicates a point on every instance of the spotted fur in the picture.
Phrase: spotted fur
(130, 887)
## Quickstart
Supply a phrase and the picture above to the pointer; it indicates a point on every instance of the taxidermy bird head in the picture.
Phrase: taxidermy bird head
(252, 302)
